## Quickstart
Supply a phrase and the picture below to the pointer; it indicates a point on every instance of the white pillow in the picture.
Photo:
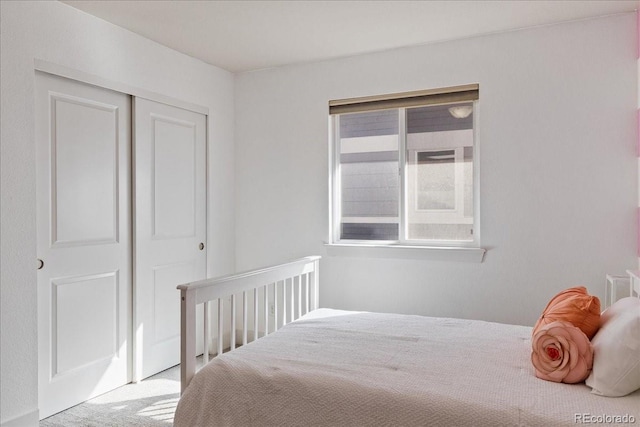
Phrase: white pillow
(616, 351)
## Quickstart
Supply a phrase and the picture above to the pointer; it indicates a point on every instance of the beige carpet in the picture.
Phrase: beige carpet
(151, 402)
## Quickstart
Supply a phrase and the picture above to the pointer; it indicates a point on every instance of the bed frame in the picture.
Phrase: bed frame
(289, 289)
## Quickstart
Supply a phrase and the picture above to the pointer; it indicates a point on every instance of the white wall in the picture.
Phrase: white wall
(55, 32)
(557, 134)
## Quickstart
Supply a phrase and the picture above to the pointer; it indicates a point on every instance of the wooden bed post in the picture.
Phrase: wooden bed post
(188, 334)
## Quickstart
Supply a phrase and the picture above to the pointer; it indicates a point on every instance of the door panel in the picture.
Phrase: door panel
(84, 143)
(170, 224)
(174, 178)
(83, 151)
(84, 310)
(166, 305)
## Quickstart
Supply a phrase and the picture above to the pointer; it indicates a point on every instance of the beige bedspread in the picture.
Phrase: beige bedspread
(370, 369)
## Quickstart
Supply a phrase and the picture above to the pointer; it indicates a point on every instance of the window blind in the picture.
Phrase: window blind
(419, 98)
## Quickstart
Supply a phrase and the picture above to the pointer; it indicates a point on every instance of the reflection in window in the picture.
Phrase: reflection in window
(436, 186)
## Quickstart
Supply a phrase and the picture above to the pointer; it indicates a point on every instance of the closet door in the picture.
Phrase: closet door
(170, 226)
(84, 275)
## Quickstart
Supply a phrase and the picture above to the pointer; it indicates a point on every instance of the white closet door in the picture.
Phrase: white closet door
(83, 150)
(170, 226)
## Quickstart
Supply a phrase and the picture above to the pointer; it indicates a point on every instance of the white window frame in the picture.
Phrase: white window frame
(469, 250)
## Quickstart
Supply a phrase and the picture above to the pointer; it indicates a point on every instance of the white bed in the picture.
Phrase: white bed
(337, 368)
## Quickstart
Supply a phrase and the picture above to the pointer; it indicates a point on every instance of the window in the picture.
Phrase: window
(404, 169)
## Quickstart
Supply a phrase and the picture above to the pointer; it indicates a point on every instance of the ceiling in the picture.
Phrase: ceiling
(242, 36)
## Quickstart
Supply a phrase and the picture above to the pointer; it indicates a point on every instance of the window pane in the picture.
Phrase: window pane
(436, 180)
(439, 190)
(369, 178)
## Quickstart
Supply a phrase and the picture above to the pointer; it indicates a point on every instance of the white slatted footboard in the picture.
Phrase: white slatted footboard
(278, 294)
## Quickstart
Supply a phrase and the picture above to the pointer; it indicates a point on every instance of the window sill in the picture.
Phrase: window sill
(455, 254)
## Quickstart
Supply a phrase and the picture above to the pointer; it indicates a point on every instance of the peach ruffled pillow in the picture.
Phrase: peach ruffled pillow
(573, 305)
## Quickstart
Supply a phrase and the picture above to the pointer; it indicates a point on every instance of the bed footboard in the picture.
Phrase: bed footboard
(280, 294)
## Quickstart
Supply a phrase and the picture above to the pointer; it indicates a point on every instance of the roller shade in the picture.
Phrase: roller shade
(419, 98)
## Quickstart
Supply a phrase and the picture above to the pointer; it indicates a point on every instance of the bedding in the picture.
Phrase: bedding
(335, 368)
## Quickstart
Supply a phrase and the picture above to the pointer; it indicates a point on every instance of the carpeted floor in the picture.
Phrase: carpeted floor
(150, 403)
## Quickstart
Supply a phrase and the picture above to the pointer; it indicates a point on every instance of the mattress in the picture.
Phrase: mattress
(336, 368)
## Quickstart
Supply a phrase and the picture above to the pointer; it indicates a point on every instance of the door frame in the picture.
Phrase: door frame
(92, 79)
(135, 92)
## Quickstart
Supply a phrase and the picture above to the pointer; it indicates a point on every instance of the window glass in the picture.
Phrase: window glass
(369, 176)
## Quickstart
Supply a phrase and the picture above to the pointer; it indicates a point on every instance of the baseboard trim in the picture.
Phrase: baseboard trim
(30, 419)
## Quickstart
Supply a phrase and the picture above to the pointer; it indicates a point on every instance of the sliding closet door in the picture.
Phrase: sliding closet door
(170, 225)
(84, 241)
